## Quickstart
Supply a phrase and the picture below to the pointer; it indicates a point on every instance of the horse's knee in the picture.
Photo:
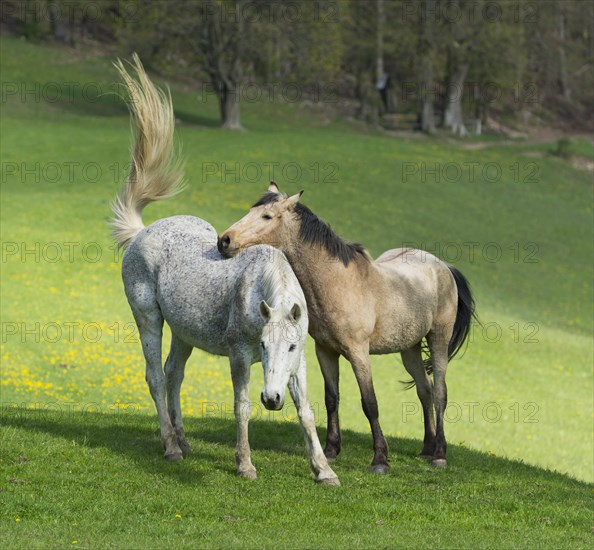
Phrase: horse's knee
(170, 368)
(155, 383)
(306, 416)
(331, 400)
(370, 407)
(424, 390)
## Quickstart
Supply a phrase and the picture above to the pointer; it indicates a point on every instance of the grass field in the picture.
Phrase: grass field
(81, 459)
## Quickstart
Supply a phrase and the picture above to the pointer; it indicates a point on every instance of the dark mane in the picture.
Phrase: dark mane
(313, 230)
(267, 198)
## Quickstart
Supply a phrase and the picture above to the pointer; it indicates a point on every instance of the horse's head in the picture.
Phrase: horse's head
(282, 346)
(265, 223)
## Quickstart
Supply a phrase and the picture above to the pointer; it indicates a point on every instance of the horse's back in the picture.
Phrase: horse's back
(397, 257)
(174, 265)
(418, 266)
(167, 245)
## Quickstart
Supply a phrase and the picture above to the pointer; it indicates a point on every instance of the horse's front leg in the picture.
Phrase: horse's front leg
(240, 375)
(328, 359)
(359, 360)
(317, 460)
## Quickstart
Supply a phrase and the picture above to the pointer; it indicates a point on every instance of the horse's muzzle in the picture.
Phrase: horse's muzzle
(272, 403)
(224, 246)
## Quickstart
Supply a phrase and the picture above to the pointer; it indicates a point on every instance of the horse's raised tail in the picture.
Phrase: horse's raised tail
(155, 170)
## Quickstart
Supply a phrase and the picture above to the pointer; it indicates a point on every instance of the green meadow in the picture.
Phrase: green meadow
(81, 458)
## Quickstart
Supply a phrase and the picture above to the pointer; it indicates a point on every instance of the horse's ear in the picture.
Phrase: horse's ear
(265, 310)
(295, 313)
(273, 187)
(294, 199)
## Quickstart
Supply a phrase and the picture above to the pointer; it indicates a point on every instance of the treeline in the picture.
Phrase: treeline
(433, 63)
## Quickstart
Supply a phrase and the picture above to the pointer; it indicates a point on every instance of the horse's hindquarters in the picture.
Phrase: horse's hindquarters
(173, 266)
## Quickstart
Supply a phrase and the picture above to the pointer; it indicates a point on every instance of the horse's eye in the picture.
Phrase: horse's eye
(266, 217)
(262, 345)
(292, 347)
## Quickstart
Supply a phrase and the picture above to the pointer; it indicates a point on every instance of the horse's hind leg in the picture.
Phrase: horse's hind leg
(150, 327)
(438, 346)
(413, 363)
(174, 372)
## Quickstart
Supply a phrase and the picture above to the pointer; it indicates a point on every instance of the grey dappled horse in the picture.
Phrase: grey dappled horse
(250, 308)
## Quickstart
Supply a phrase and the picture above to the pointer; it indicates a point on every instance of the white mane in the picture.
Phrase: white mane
(278, 280)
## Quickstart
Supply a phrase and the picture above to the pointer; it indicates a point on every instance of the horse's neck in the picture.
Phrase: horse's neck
(321, 274)
(276, 280)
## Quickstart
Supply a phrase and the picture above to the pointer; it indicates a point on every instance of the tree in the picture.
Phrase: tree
(220, 35)
(536, 56)
(426, 48)
(460, 31)
(199, 37)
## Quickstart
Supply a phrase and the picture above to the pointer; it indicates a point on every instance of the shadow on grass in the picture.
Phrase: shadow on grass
(78, 102)
(213, 441)
(109, 104)
(197, 120)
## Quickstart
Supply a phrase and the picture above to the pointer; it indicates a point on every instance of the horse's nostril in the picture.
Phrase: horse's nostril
(277, 399)
(226, 241)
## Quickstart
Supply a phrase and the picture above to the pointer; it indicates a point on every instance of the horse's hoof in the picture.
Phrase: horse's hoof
(248, 474)
(175, 456)
(426, 457)
(330, 455)
(185, 448)
(329, 481)
(381, 469)
(439, 463)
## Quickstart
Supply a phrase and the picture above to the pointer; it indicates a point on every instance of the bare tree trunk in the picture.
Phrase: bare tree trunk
(428, 117)
(453, 117)
(380, 40)
(563, 83)
(461, 36)
(56, 19)
(220, 39)
(426, 69)
(369, 99)
(229, 105)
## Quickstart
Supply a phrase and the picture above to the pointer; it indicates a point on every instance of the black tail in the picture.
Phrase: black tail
(463, 324)
(464, 316)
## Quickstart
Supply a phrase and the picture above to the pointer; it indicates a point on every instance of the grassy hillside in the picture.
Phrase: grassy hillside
(516, 220)
(95, 481)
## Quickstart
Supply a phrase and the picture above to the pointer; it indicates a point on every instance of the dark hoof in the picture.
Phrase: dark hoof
(174, 457)
(439, 463)
(381, 469)
(330, 454)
